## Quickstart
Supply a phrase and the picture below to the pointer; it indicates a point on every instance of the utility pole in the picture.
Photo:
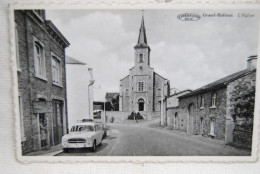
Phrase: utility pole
(104, 113)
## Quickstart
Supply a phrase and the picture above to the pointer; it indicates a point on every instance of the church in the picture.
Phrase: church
(143, 88)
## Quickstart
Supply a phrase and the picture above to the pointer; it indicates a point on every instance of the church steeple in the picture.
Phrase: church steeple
(142, 34)
(142, 40)
(142, 50)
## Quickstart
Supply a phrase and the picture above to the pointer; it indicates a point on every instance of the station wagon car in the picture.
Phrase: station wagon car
(83, 135)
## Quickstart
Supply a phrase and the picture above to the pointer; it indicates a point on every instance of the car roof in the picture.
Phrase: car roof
(85, 123)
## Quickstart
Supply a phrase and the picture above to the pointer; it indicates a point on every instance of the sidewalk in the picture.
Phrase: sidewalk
(48, 151)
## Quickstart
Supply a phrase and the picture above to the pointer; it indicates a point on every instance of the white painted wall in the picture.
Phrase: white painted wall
(78, 80)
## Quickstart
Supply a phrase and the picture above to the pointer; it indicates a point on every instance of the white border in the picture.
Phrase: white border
(129, 5)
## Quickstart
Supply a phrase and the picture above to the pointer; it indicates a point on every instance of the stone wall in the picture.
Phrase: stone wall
(122, 116)
(240, 131)
(32, 88)
(198, 122)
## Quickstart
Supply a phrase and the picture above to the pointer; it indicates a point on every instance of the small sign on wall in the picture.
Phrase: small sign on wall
(42, 107)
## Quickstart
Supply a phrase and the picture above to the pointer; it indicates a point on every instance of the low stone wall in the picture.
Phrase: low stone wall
(121, 116)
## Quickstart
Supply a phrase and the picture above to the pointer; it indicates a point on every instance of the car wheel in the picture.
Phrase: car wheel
(93, 149)
(66, 150)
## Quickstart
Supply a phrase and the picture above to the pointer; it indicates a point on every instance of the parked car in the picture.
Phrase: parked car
(104, 129)
(83, 135)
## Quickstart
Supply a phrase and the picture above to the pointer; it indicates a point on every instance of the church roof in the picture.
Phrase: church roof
(142, 40)
(160, 75)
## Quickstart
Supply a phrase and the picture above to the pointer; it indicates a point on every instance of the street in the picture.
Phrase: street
(134, 140)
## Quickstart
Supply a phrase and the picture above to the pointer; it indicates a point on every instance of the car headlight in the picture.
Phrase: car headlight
(88, 140)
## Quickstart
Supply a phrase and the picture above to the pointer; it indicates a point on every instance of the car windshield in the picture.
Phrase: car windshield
(81, 128)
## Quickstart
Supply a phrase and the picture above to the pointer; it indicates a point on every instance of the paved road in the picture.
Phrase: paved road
(130, 140)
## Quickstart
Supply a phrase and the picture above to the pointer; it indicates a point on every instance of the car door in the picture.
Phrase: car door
(99, 133)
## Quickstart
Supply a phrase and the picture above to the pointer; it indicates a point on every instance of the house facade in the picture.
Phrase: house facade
(40, 55)
(212, 110)
(80, 97)
(143, 88)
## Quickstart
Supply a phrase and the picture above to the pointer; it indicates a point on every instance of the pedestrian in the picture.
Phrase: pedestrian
(136, 118)
(43, 131)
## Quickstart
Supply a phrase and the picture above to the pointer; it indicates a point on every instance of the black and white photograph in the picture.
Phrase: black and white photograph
(136, 82)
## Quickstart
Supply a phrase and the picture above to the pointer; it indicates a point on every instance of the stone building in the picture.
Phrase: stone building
(143, 88)
(209, 110)
(40, 55)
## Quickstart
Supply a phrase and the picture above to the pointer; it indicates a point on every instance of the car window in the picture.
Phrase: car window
(81, 128)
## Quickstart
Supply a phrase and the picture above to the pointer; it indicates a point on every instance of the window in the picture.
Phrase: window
(39, 59)
(202, 102)
(21, 118)
(126, 92)
(141, 57)
(159, 92)
(17, 47)
(213, 100)
(56, 70)
(141, 86)
(212, 127)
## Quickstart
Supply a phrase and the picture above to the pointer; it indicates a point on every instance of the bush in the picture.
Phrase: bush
(135, 116)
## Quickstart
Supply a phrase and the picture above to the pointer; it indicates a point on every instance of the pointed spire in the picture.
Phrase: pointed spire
(142, 35)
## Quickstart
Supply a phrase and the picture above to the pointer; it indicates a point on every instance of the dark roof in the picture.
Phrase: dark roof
(57, 32)
(124, 78)
(220, 83)
(177, 93)
(71, 60)
(160, 75)
(142, 40)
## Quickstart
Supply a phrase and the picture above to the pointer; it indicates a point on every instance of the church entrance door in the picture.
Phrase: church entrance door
(141, 105)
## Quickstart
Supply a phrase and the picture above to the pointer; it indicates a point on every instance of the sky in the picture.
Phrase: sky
(188, 53)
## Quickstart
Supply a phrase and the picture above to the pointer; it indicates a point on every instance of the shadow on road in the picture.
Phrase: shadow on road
(88, 150)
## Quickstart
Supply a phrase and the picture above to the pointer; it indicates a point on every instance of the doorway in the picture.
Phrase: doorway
(57, 121)
(141, 104)
(190, 119)
(176, 121)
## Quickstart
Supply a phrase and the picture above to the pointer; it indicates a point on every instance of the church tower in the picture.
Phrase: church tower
(142, 50)
(143, 88)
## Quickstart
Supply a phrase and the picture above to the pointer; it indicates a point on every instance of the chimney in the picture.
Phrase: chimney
(252, 62)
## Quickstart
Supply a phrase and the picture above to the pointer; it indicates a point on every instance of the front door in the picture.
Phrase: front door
(57, 121)
(141, 104)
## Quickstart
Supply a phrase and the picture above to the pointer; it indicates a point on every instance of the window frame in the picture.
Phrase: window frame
(202, 102)
(141, 86)
(55, 58)
(141, 58)
(213, 100)
(37, 73)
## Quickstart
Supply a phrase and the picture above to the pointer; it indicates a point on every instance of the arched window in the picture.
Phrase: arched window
(141, 57)
(126, 92)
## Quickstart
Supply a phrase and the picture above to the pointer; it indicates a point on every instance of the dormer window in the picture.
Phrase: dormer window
(141, 58)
